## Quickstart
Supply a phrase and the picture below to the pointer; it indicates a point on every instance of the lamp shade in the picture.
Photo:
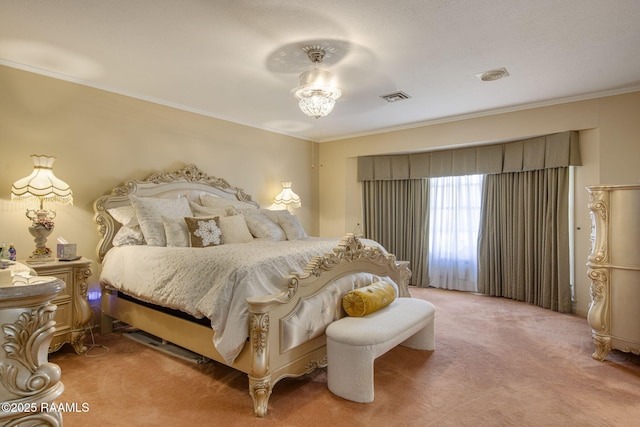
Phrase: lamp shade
(42, 184)
(286, 199)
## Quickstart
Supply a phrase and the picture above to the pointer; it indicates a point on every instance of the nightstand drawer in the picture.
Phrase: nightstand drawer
(65, 275)
(63, 315)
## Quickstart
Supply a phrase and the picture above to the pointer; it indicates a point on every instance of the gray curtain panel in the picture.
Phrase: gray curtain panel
(396, 214)
(523, 244)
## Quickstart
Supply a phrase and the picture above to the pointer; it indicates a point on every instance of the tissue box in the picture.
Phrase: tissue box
(66, 251)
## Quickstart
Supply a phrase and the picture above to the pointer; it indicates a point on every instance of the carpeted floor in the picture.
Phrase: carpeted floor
(497, 363)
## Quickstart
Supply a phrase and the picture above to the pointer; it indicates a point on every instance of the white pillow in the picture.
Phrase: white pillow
(221, 202)
(202, 211)
(264, 228)
(234, 229)
(127, 236)
(130, 233)
(150, 211)
(125, 215)
(292, 227)
(289, 223)
(176, 232)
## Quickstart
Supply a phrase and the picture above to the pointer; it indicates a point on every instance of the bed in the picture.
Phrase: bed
(259, 304)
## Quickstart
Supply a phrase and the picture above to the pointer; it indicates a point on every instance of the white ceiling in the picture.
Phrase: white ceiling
(238, 59)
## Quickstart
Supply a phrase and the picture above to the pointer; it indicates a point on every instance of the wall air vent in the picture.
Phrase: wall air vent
(395, 96)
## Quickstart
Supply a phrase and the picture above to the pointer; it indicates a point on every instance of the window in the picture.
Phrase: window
(454, 217)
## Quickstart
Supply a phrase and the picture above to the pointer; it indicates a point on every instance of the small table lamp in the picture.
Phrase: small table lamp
(286, 199)
(40, 187)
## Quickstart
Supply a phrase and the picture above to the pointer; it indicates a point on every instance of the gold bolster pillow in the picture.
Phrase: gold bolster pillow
(367, 299)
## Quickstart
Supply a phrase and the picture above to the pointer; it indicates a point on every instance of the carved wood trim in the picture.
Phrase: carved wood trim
(81, 309)
(349, 249)
(599, 207)
(22, 343)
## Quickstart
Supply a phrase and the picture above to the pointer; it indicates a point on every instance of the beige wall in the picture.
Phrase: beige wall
(101, 139)
(610, 146)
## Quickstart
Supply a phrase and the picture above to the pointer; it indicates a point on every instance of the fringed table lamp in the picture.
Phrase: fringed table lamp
(286, 199)
(37, 190)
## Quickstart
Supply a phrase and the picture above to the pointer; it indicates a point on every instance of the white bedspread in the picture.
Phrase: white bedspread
(212, 282)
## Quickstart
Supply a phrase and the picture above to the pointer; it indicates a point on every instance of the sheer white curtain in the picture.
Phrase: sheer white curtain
(454, 218)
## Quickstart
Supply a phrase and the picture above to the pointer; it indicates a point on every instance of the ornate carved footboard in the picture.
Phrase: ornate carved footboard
(270, 362)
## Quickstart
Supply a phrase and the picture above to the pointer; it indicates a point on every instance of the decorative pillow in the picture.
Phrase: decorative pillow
(125, 215)
(203, 232)
(176, 232)
(234, 229)
(289, 223)
(130, 233)
(222, 202)
(199, 210)
(292, 227)
(150, 211)
(127, 236)
(368, 299)
(264, 228)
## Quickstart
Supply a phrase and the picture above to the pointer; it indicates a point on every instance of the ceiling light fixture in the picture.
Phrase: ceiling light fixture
(317, 92)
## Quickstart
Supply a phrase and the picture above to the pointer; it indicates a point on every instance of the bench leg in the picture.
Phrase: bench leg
(424, 339)
(350, 371)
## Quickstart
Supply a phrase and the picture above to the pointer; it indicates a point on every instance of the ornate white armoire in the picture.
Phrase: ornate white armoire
(614, 268)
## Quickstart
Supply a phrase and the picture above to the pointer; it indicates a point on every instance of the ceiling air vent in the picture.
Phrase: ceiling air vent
(395, 96)
(491, 75)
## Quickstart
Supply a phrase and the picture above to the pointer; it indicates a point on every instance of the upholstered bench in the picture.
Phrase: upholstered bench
(353, 343)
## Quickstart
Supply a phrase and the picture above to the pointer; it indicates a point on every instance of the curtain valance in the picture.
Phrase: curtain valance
(543, 152)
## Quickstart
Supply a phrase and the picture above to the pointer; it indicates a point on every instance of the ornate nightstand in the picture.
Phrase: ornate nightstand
(73, 312)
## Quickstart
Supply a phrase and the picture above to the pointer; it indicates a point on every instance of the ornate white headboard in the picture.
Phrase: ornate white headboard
(187, 182)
